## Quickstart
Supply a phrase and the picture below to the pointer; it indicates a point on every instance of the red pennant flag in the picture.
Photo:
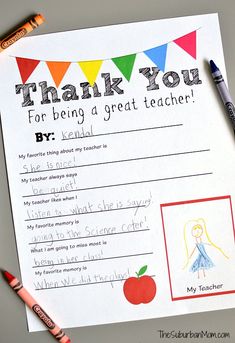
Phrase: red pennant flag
(26, 67)
(188, 43)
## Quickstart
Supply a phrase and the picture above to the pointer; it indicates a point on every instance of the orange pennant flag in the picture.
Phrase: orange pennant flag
(57, 70)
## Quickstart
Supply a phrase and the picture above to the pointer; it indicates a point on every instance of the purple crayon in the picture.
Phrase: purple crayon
(224, 93)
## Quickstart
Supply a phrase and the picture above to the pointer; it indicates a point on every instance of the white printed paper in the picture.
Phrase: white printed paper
(120, 162)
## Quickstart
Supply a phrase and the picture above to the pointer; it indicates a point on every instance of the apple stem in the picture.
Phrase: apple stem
(141, 271)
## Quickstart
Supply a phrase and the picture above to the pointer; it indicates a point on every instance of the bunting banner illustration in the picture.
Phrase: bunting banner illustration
(26, 67)
(57, 70)
(90, 70)
(158, 56)
(125, 64)
(188, 43)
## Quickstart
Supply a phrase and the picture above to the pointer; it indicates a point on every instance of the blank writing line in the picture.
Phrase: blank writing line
(127, 131)
(117, 161)
(120, 184)
(84, 237)
(84, 284)
(98, 259)
(91, 212)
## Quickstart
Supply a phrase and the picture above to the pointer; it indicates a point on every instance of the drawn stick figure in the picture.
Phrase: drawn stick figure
(196, 238)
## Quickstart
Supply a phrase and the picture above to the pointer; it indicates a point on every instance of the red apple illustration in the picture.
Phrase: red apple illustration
(140, 289)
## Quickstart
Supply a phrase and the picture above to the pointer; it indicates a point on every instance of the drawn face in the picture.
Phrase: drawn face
(197, 231)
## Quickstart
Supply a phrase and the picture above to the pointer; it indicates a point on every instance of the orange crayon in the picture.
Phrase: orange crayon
(32, 24)
(54, 329)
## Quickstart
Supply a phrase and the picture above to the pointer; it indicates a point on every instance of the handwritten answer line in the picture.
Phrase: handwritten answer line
(84, 237)
(120, 132)
(91, 212)
(118, 161)
(120, 184)
(84, 284)
(94, 260)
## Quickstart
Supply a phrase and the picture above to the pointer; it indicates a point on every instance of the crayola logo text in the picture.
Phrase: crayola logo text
(13, 38)
(43, 316)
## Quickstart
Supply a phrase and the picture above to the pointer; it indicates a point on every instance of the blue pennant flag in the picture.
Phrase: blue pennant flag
(158, 56)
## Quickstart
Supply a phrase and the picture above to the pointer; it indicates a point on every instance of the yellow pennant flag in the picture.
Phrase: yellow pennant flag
(90, 70)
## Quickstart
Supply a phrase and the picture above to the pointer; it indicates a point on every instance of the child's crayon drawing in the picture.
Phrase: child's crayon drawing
(196, 231)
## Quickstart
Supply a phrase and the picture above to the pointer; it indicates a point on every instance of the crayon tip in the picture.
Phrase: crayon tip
(214, 67)
(39, 19)
(8, 276)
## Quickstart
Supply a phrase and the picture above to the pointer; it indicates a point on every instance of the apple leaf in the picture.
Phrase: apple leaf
(142, 270)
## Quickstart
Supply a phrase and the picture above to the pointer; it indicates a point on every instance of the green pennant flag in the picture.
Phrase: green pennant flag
(125, 64)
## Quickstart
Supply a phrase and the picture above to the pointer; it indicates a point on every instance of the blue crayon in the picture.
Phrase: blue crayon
(224, 93)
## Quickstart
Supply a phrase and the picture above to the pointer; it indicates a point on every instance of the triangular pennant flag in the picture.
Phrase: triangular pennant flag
(91, 69)
(26, 67)
(158, 56)
(57, 70)
(125, 64)
(188, 43)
